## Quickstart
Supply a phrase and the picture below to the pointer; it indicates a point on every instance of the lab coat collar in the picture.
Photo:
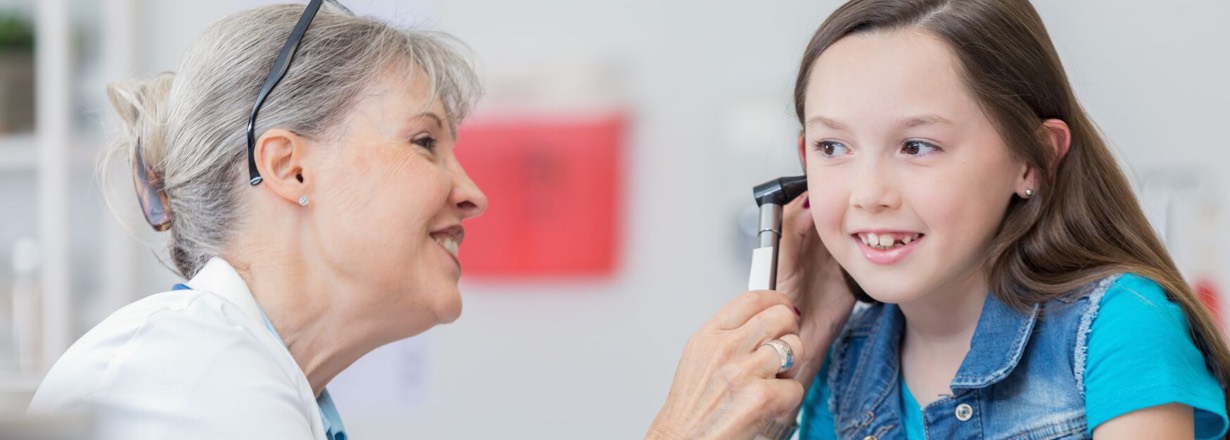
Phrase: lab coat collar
(220, 278)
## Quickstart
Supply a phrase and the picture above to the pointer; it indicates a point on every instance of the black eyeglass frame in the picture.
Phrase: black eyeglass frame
(280, 66)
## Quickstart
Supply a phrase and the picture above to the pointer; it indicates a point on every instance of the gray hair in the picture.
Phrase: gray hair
(191, 126)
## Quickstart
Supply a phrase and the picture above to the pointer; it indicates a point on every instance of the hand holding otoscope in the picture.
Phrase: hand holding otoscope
(743, 374)
(809, 276)
(730, 378)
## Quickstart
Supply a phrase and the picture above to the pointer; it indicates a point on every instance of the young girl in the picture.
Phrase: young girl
(1017, 289)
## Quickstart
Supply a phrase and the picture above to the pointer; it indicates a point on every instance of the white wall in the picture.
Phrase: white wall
(707, 81)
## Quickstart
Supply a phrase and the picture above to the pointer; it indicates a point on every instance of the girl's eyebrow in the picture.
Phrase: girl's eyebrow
(919, 121)
(827, 122)
(911, 122)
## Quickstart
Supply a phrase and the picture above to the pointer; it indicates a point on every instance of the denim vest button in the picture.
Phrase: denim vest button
(964, 412)
(870, 437)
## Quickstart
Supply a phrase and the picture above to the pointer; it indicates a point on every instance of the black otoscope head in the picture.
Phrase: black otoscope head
(780, 191)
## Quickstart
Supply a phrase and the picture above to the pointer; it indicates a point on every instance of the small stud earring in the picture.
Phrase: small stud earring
(1028, 193)
(303, 200)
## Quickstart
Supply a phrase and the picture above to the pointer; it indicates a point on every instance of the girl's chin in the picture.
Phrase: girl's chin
(889, 293)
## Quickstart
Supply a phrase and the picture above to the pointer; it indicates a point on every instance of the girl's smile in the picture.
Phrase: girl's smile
(886, 246)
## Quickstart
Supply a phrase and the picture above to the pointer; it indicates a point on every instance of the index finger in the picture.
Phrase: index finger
(798, 227)
(738, 311)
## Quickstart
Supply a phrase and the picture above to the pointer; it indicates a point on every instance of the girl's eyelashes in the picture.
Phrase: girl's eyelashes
(831, 148)
(426, 141)
(913, 147)
(918, 148)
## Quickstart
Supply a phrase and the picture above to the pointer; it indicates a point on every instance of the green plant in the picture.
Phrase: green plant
(16, 32)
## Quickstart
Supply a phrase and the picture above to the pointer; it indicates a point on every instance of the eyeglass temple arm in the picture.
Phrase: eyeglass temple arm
(280, 66)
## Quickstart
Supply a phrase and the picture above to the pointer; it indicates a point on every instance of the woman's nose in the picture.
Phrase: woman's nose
(466, 195)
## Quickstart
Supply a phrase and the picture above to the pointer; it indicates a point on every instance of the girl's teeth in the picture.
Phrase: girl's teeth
(885, 241)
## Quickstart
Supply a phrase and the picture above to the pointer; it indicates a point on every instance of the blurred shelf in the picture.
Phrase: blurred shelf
(19, 152)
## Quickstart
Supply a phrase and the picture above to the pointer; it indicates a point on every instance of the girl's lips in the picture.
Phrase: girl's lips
(885, 256)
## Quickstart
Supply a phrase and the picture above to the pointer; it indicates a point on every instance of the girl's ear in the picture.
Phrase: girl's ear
(803, 152)
(1058, 137)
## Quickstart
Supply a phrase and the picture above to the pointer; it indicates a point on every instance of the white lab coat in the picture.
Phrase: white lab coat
(186, 364)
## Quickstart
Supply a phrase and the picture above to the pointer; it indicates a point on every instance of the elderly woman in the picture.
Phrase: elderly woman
(324, 228)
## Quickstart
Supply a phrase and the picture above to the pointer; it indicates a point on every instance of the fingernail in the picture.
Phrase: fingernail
(798, 312)
(807, 202)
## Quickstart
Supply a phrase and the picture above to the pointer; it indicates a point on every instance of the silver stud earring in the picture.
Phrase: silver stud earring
(303, 200)
(1029, 192)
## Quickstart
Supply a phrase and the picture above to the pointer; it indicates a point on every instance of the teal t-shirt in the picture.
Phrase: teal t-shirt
(1140, 354)
(912, 412)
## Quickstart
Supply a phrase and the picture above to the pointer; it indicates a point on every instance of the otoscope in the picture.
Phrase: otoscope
(770, 197)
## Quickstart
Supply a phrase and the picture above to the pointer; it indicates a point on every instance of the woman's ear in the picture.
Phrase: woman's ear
(280, 156)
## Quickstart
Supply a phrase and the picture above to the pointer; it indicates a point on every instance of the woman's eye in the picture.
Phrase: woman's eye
(918, 148)
(427, 142)
(830, 148)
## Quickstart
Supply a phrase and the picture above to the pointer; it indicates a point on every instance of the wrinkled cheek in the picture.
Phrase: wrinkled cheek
(340, 242)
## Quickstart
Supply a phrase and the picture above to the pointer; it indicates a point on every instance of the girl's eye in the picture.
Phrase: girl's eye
(831, 149)
(918, 148)
(426, 142)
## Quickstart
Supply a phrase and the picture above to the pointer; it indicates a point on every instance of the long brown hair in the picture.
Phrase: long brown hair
(1084, 222)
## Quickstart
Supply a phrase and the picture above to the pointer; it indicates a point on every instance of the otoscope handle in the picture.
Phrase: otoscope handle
(764, 258)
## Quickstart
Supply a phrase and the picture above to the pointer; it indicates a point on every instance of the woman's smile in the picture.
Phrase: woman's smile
(450, 239)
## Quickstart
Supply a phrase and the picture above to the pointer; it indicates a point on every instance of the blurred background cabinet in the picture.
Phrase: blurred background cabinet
(49, 185)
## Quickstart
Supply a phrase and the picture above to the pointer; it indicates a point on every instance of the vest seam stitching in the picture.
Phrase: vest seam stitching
(1082, 334)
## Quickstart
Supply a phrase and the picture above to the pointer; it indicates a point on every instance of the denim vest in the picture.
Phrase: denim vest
(1022, 378)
